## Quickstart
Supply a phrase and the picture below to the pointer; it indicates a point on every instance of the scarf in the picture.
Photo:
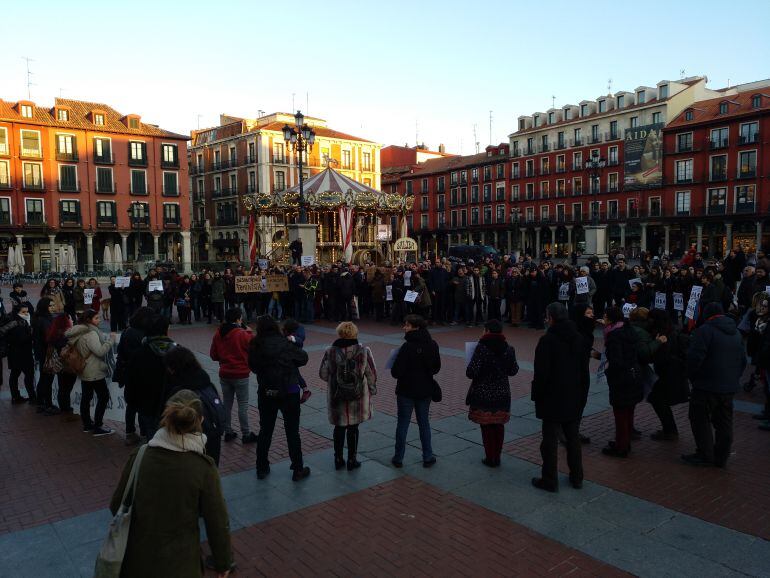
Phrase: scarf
(25, 317)
(185, 443)
(612, 327)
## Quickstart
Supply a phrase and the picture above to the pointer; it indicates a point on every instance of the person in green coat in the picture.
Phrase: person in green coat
(177, 483)
(218, 297)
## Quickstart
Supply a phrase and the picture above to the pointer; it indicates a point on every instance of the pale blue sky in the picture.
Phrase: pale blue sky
(373, 69)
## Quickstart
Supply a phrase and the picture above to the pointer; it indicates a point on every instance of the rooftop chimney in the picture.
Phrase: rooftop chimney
(441, 148)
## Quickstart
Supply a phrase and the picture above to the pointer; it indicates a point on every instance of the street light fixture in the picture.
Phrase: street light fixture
(593, 166)
(300, 138)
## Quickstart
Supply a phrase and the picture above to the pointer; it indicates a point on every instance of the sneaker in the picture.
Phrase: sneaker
(230, 436)
(103, 431)
(249, 438)
(132, 439)
(429, 463)
(300, 475)
(541, 484)
(306, 393)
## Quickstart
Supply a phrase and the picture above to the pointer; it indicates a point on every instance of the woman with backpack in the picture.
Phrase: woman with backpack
(489, 395)
(351, 376)
(86, 355)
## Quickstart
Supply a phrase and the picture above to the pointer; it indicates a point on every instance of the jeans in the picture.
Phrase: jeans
(102, 399)
(275, 306)
(405, 407)
(269, 407)
(66, 383)
(549, 451)
(712, 410)
(236, 388)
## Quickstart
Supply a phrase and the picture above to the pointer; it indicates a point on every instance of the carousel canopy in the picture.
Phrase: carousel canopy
(330, 189)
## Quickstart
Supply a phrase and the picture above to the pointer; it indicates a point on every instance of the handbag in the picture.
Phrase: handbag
(52, 363)
(110, 558)
(435, 393)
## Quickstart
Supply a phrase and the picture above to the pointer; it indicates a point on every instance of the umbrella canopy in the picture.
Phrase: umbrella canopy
(62, 258)
(20, 260)
(107, 257)
(72, 262)
(11, 259)
(117, 256)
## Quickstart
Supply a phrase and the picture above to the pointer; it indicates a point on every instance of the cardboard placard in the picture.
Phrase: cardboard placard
(660, 300)
(388, 292)
(631, 282)
(122, 282)
(767, 288)
(88, 296)
(627, 309)
(277, 283)
(691, 307)
(307, 260)
(407, 278)
(678, 302)
(247, 284)
(564, 292)
(155, 285)
(581, 285)
(411, 296)
(695, 293)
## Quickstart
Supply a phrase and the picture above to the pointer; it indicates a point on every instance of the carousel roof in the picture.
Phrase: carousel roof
(331, 189)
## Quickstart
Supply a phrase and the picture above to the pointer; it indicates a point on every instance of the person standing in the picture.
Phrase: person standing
(17, 334)
(715, 362)
(66, 380)
(176, 484)
(296, 251)
(217, 298)
(118, 305)
(79, 293)
(276, 362)
(351, 376)
(560, 390)
(135, 294)
(495, 295)
(68, 293)
(230, 347)
(417, 361)
(94, 347)
(41, 323)
(489, 395)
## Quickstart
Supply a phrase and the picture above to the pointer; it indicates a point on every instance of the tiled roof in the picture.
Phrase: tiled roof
(79, 118)
(319, 131)
(708, 110)
(445, 164)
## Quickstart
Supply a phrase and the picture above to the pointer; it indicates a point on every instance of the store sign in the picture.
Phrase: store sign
(405, 244)
(643, 157)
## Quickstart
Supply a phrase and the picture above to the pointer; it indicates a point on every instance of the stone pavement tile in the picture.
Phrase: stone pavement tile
(444, 444)
(523, 406)
(35, 552)
(372, 440)
(83, 529)
(629, 512)
(83, 557)
(254, 509)
(454, 424)
(566, 525)
(472, 435)
(522, 426)
(405, 528)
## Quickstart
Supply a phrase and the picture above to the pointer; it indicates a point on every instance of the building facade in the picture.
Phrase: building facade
(84, 175)
(249, 156)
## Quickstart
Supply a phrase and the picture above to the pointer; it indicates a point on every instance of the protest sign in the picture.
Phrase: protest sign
(634, 281)
(660, 300)
(263, 264)
(407, 278)
(767, 288)
(695, 293)
(307, 260)
(156, 285)
(627, 309)
(564, 292)
(88, 296)
(277, 283)
(122, 282)
(247, 284)
(691, 307)
(678, 302)
(388, 292)
(411, 296)
(581, 285)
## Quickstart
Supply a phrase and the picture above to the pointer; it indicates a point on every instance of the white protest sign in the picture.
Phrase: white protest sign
(407, 278)
(388, 292)
(660, 300)
(156, 285)
(470, 347)
(691, 305)
(564, 292)
(627, 309)
(411, 296)
(88, 296)
(122, 282)
(678, 302)
(695, 293)
(307, 260)
(263, 264)
(581, 285)
(634, 281)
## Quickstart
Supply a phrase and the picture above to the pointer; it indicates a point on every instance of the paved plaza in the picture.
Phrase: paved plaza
(647, 515)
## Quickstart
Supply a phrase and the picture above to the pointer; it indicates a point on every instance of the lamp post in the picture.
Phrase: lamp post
(299, 138)
(593, 166)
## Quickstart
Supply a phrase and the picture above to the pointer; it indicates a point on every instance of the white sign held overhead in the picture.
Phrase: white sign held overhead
(581, 285)
(407, 278)
(307, 260)
(156, 285)
(695, 293)
(634, 281)
(564, 292)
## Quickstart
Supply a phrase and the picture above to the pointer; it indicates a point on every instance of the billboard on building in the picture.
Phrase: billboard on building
(643, 157)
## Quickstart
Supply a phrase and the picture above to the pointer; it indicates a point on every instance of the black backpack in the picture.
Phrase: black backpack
(348, 382)
(213, 411)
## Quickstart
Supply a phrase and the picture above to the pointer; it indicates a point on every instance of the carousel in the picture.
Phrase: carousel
(356, 223)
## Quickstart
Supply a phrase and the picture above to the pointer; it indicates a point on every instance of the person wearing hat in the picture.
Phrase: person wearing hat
(489, 395)
(715, 362)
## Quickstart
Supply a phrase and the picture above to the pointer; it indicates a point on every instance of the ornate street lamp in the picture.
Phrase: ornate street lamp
(300, 139)
(594, 165)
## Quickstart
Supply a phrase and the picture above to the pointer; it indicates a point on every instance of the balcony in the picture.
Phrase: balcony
(530, 173)
(516, 153)
(748, 139)
(137, 162)
(613, 163)
(33, 186)
(172, 222)
(35, 220)
(279, 160)
(251, 189)
(748, 173)
(198, 224)
(515, 175)
(69, 221)
(68, 186)
(111, 187)
(140, 222)
(561, 145)
(560, 170)
(169, 163)
(595, 139)
(226, 221)
(744, 208)
(440, 189)
(683, 181)
(106, 222)
(718, 144)
(30, 153)
(545, 148)
(6, 185)
(196, 170)
(67, 157)
(576, 142)
(716, 209)
(105, 159)
(544, 172)
(250, 159)
(611, 136)
(530, 151)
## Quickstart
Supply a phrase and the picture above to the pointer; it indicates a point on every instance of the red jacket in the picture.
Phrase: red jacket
(232, 352)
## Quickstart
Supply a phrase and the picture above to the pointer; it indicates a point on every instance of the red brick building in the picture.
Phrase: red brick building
(717, 162)
(84, 175)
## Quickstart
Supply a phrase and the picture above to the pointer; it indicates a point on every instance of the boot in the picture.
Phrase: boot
(353, 448)
(339, 445)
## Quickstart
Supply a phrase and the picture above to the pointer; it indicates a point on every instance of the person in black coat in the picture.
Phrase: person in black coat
(276, 362)
(135, 294)
(489, 395)
(623, 378)
(417, 361)
(560, 390)
(118, 303)
(537, 289)
(17, 334)
(41, 323)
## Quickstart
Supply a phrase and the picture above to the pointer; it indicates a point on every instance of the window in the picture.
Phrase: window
(133, 122)
(102, 150)
(545, 166)
(531, 146)
(536, 120)
(577, 211)
(544, 213)
(641, 97)
(612, 209)
(487, 215)
(560, 140)
(233, 184)
(367, 161)
(463, 195)
(26, 111)
(530, 191)
(560, 213)
(233, 157)
(474, 216)
(34, 211)
(500, 192)
(551, 117)
(577, 186)
(441, 202)
(613, 129)
(453, 178)
(656, 116)
(62, 115)
(688, 114)
(613, 155)
(749, 132)
(200, 189)
(577, 161)
(719, 137)
(723, 108)
(408, 187)
(454, 219)
(423, 221)
(718, 168)
(684, 142)
(515, 193)
(621, 100)
(463, 218)
(69, 212)
(487, 192)
(567, 114)
(544, 142)
(717, 201)
(530, 168)
(424, 203)
(515, 148)
(140, 213)
(252, 153)
(594, 133)
(105, 212)
(5, 211)
(5, 175)
(578, 137)
(634, 121)
(104, 182)
(633, 208)
(99, 119)
(3, 141)
(747, 165)
(583, 110)
(68, 178)
(663, 91)
(544, 189)
(171, 184)
(522, 124)
(217, 185)
(683, 202)
(530, 214)
(500, 174)
(475, 194)
(33, 176)
(654, 206)
(30, 144)
(560, 164)
(171, 214)
(744, 199)
(169, 156)
(756, 101)
(252, 181)
(137, 153)
(280, 180)
(602, 106)
(515, 171)
(346, 163)
(500, 214)
(560, 188)
(684, 171)
(66, 147)
(612, 183)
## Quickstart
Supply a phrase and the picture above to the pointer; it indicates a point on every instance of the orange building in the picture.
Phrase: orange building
(84, 175)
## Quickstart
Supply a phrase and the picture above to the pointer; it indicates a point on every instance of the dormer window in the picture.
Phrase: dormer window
(663, 91)
(602, 106)
(62, 115)
(756, 101)
(583, 110)
(536, 120)
(26, 111)
(551, 117)
(641, 97)
(522, 124)
(688, 114)
(133, 122)
(722, 108)
(567, 114)
(98, 119)
(621, 101)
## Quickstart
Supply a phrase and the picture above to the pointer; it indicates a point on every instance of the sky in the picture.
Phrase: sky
(394, 72)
